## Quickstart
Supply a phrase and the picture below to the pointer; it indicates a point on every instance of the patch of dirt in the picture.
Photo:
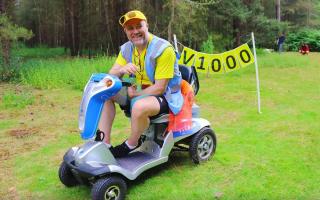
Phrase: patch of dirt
(73, 130)
(22, 133)
(13, 194)
(218, 195)
(4, 154)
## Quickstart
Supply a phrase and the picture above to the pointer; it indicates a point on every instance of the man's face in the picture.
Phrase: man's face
(137, 32)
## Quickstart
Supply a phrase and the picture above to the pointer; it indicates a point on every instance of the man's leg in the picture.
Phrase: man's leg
(281, 48)
(106, 119)
(141, 111)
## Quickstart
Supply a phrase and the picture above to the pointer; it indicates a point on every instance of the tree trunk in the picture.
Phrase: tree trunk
(39, 21)
(2, 6)
(66, 39)
(278, 13)
(72, 26)
(171, 21)
(115, 10)
(107, 27)
(72, 29)
(5, 45)
(236, 32)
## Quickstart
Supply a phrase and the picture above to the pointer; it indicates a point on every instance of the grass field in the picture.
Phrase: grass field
(273, 155)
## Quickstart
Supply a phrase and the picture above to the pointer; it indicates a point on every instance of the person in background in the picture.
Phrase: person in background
(304, 49)
(153, 62)
(280, 42)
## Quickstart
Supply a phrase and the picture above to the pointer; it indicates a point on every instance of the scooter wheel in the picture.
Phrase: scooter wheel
(66, 176)
(113, 187)
(203, 145)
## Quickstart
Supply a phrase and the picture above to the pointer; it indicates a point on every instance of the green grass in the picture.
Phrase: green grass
(38, 52)
(16, 100)
(273, 155)
(59, 73)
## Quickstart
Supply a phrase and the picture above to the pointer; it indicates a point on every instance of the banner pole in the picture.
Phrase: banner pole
(257, 72)
(175, 42)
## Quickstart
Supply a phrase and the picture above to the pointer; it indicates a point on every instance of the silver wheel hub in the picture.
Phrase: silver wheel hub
(205, 147)
(112, 193)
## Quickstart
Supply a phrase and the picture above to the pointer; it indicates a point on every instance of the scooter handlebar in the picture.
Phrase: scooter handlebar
(126, 84)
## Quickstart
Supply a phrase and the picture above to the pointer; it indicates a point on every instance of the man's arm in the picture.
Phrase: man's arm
(121, 67)
(119, 70)
(158, 88)
(115, 70)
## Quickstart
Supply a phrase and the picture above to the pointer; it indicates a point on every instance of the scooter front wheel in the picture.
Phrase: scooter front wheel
(66, 176)
(110, 188)
(203, 145)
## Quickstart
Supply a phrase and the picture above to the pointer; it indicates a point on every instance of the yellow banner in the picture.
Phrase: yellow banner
(187, 57)
(201, 62)
(217, 63)
(230, 60)
(244, 54)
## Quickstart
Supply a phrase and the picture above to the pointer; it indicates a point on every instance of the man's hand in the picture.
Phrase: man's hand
(129, 68)
(119, 70)
(132, 92)
(158, 88)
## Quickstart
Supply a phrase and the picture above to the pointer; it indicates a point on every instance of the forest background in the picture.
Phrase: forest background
(90, 27)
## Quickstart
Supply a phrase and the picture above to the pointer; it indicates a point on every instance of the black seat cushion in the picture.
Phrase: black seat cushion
(189, 74)
(186, 73)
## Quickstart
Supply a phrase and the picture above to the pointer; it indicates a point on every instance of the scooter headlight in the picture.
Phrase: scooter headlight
(108, 82)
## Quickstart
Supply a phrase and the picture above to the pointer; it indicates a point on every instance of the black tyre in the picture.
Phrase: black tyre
(66, 176)
(110, 188)
(203, 145)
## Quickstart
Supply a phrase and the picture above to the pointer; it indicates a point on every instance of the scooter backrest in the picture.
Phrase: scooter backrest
(190, 75)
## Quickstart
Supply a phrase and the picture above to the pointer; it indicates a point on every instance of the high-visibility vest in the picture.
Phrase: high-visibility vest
(155, 48)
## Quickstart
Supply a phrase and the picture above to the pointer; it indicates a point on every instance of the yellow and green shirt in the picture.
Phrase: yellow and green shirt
(164, 64)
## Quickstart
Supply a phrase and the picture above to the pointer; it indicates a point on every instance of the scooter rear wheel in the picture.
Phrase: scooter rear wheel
(110, 188)
(66, 176)
(203, 145)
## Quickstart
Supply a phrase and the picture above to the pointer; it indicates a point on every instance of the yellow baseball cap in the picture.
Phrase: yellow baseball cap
(134, 14)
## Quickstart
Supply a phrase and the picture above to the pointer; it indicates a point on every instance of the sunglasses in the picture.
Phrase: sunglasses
(131, 15)
(126, 17)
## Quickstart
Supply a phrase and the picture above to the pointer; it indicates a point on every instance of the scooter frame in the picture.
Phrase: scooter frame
(93, 161)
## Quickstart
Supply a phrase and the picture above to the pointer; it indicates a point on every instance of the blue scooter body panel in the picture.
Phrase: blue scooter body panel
(94, 97)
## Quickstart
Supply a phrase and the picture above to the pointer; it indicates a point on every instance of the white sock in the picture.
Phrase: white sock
(130, 147)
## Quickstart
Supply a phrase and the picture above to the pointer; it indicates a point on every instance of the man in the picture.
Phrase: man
(280, 42)
(153, 61)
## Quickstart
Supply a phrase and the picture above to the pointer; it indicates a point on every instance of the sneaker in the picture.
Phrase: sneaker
(120, 150)
(99, 136)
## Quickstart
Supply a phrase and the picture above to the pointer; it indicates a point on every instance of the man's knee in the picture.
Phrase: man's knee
(139, 109)
(145, 107)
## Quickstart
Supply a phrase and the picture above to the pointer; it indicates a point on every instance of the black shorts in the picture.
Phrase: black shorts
(164, 107)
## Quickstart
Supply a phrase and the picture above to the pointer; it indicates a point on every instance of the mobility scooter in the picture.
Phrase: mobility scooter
(93, 163)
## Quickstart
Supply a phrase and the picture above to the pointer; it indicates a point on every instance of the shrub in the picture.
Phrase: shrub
(308, 36)
(10, 72)
(266, 32)
(207, 46)
(216, 43)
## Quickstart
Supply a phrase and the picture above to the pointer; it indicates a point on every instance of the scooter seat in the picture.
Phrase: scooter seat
(165, 117)
(160, 118)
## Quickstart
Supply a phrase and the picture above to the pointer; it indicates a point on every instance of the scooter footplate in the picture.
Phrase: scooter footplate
(135, 160)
